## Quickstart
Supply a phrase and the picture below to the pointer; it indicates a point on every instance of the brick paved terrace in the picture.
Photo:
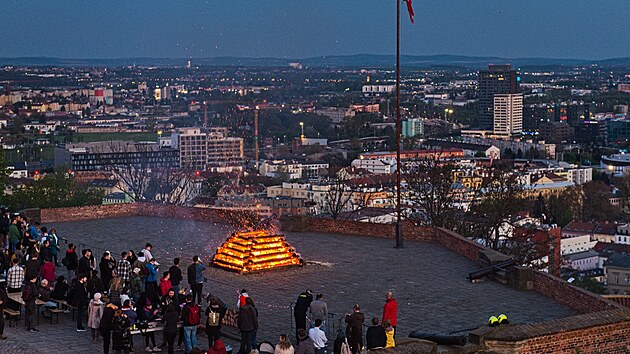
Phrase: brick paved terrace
(428, 280)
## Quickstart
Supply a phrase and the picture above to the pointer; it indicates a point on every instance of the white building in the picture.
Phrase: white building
(623, 234)
(21, 173)
(377, 166)
(575, 244)
(378, 89)
(585, 260)
(294, 169)
(508, 114)
(580, 175)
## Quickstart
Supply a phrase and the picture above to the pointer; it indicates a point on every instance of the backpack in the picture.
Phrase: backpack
(26, 292)
(214, 318)
(193, 314)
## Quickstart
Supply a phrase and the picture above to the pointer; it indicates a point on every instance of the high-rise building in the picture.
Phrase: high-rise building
(498, 79)
(412, 127)
(208, 149)
(508, 114)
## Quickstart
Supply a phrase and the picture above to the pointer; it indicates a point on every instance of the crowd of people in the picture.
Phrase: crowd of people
(112, 298)
(313, 314)
(118, 298)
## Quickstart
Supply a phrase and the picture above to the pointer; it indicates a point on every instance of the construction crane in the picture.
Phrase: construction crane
(256, 109)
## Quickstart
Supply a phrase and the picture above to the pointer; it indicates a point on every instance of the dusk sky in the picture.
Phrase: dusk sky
(589, 29)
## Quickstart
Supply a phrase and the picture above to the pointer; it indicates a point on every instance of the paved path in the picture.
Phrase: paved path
(428, 280)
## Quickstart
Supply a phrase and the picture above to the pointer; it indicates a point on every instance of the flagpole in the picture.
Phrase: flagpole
(399, 235)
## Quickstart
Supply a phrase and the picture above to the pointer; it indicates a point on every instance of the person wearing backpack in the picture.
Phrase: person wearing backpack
(190, 317)
(29, 295)
(214, 315)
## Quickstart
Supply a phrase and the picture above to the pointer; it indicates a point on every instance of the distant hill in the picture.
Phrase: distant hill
(358, 60)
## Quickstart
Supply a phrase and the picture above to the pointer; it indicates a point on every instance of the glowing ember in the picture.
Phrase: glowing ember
(253, 251)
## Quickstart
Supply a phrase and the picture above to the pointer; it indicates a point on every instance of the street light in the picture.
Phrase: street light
(447, 112)
(302, 127)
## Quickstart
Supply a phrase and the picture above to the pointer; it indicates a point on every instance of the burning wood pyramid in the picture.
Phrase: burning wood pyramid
(253, 251)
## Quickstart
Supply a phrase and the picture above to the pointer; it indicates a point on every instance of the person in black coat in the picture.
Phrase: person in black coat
(375, 336)
(85, 265)
(45, 253)
(33, 267)
(106, 325)
(106, 266)
(247, 324)
(354, 329)
(3, 301)
(176, 275)
(299, 311)
(171, 317)
(79, 300)
(121, 338)
(71, 261)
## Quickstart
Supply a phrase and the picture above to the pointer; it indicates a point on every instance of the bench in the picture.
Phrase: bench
(12, 316)
(53, 311)
(65, 306)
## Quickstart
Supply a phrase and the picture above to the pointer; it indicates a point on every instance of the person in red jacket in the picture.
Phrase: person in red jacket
(390, 310)
(165, 284)
(218, 348)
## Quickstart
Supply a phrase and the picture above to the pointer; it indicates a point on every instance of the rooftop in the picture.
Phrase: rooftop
(426, 278)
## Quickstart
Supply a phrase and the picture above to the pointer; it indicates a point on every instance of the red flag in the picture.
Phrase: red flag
(410, 10)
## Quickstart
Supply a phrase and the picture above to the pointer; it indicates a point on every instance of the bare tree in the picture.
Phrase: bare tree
(345, 195)
(526, 250)
(500, 197)
(337, 197)
(432, 189)
(144, 180)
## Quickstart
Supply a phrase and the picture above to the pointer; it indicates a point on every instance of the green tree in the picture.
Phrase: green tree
(4, 172)
(591, 285)
(54, 190)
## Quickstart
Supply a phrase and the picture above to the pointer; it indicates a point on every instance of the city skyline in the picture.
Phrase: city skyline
(284, 29)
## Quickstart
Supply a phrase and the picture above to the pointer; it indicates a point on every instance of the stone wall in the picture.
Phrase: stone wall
(574, 297)
(411, 232)
(598, 332)
(88, 212)
(129, 209)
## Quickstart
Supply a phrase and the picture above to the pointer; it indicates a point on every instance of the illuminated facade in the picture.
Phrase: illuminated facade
(508, 114)
(246, 252)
